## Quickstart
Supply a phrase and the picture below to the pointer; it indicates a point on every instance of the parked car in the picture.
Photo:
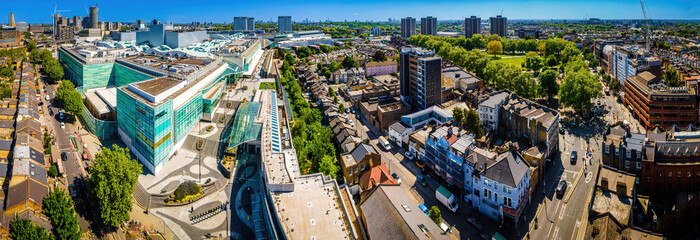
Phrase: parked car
(574, 157)
(395, 176)
(561, 188)
(475, 222)
(422, 180)
(73, 191)
(63, 125)
(409, 155)
(352, 123)
(64, 156)
(424, 209)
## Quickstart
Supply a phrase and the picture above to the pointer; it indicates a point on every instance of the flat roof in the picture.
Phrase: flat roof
(109, 96)
(97, 103)
(156, 86)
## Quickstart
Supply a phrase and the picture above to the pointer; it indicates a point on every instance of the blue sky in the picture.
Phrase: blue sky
(182, 11)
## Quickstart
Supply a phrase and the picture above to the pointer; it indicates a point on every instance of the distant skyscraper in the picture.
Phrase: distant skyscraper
(408, 27)
(498, 25)
(77, 21)
(428, 26)
(284, 23)
(12, 20)
(472, 26)
(240, 23)
(251, 24)
(93, 17)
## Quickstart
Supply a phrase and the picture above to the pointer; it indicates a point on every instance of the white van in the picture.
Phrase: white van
(384, 143)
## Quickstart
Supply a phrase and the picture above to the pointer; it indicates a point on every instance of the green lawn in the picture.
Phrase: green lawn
(517, 61)
(268, 85)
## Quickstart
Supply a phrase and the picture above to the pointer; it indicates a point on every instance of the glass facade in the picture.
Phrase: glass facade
(148, 128)
(98, 75)
(101, 129)
(186, 116)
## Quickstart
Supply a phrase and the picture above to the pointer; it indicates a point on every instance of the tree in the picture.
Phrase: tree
(111, 182)
(672, 78)
(341, 108)
(473, 123)
(5, 91)
(22, 229)
(31, 46)
(577, 90)
(525, 85)
(435, 215)
(73, 103)
(350, 62)
(328, 167)
(569, 52)
(53, 70)
(58, 206)
(379, 56)
(64, 88)
(535, 63)
(331, 92)
(494, 47)
(335, 99)
(457, 114)
(552, 61)
(53, 171)
(548, 83)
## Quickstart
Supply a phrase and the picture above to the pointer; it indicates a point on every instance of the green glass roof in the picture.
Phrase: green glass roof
(244, 127)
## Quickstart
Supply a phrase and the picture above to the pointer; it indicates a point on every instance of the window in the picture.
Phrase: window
(627, 164)
(617, 151)
(639, 154)
(648, 180)
(607, 149)
(508, 202)
(363, 167)
(639, 165)
(628, 154)
(679, 174)
(689, 173)
(670, 174)
(349, 172)
(495, 196)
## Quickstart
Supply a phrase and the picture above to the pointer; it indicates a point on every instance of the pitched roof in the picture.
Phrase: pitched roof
(27, 190)
(361, 150)
(509, 169)
(375, 176)
(390, 213)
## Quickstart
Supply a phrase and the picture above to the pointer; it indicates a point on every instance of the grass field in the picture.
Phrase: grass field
(268, 85)
(517, 61)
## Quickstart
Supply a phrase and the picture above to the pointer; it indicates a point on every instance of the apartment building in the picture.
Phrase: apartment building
(408, 27)
(428, 26)
(472, 25)
(421, 78)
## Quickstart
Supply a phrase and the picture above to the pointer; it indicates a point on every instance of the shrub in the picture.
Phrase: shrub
(53, 171)
(186, 189)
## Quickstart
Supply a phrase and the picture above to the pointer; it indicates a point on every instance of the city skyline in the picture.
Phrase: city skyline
(222, 11)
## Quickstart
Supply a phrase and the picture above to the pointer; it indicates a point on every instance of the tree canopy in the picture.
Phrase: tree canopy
(578, 87)
(672, 78)
(22, 229)
(379, 56)
(494, 47)
(111, 182)
(548, 83)
(58, 206)
(350, 62)
(435, 214)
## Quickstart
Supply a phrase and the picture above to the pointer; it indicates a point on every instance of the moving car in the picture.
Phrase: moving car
(561, 188)
(63, 125)
(574, 157)
(395, 176)
(73, 191)
(64, 156)
(385, 143)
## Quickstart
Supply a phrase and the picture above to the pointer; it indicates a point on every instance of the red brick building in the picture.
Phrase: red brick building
(672, 161)
(654, 103)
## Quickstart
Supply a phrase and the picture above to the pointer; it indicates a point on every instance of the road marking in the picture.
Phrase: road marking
(578, 224)
(563, 210)
(563, 176)
(550, 229)
(569, 171)
(556, 231)
(589, 176)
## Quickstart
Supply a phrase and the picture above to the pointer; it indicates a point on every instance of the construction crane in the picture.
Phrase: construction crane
(646, 22)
